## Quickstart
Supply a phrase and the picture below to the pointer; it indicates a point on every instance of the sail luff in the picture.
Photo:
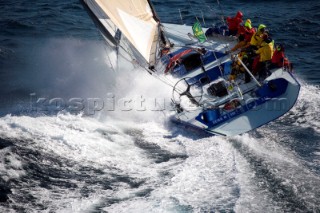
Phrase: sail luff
(136, 22)
(155, 15)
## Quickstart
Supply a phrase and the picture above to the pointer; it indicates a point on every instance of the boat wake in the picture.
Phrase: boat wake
(305, 114)
(133, 159)
(76, 163)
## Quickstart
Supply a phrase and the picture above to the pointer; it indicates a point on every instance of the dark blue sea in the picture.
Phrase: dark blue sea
(73, 140)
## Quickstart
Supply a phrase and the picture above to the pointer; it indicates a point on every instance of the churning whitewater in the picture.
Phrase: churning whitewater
(79, 133)
(138, 161)
(72, 163)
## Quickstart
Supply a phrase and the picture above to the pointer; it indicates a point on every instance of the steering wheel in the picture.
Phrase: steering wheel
(184, 88)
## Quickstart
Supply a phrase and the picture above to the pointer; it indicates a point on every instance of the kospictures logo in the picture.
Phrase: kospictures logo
(90, 106)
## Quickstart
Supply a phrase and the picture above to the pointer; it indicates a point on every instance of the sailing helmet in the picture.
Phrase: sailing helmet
(239, 14)
(261, 26)
(248, 24)
(280, 47)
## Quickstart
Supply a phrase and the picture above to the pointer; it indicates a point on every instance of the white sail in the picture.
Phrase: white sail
(135, 20)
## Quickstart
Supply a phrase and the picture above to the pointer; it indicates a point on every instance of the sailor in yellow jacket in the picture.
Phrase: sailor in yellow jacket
(257, 39)
(265, 52)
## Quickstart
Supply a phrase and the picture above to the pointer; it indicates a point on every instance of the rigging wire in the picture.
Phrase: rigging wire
(215, 11)
(181, 17)
(223, 19)
(219, 61)
(166, 81)
(156, 75)
(109, 59)
(192, 11)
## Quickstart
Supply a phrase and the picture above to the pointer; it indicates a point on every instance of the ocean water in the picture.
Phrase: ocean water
(54, 64)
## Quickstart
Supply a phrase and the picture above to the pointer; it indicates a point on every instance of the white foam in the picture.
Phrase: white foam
(215, 175)
(282, 163)
(206, 178)
(306, 112)
(11, 166)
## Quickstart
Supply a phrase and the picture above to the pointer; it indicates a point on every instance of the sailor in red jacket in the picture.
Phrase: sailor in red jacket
(234, 23)
(247, 31)
(279, 59)
(278, 56)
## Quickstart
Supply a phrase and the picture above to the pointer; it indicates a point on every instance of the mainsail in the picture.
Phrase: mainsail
(137, 22)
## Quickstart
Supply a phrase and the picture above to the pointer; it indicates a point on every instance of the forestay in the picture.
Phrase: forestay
(135, 19)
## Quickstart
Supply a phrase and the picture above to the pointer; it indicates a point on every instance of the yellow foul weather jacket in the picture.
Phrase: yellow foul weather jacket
(256, 39)
(265, 51)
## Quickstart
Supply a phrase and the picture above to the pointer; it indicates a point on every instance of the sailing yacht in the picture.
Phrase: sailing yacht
(197, 68)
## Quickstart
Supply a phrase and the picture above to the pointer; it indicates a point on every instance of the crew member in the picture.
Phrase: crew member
(265, 52)
(234, 23)
(257, 37)
(247, 31)
(279, 59)
(241, 43)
